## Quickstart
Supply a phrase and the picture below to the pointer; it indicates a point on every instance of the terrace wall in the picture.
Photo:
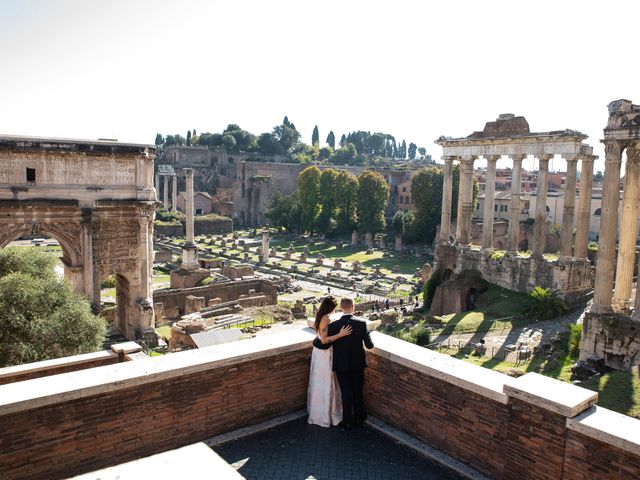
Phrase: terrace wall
(532, 427)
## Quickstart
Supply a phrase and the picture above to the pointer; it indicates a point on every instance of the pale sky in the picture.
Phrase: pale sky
(127, 69)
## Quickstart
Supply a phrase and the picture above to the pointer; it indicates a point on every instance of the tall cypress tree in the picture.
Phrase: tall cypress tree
(315, 136)
(331, 140)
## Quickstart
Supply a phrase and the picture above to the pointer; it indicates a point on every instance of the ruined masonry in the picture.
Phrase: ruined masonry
(510, 136)
(612, 328)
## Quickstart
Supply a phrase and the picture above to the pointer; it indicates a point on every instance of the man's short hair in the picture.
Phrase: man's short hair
(346, 303)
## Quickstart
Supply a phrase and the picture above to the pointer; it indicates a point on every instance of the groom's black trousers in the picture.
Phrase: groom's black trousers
(351, 383)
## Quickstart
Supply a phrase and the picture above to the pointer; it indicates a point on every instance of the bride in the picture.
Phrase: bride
(323, 398)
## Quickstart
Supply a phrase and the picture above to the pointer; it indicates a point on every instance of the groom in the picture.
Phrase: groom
(349, 362)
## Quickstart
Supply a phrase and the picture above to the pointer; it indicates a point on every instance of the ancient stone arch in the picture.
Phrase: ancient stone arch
(96, 198)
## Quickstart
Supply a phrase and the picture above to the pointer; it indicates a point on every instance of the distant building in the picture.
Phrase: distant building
(202, 203)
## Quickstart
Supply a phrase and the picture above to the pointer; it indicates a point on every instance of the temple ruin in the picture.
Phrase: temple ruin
(611, 329)
(97, 199)
(510, 136)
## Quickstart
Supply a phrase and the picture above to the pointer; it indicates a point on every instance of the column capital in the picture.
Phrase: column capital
(467, 158)
(571, 157)
(518, 157)
(492, 158)
(613, 150)
(545, 157)
(633, 152)
(449, 158)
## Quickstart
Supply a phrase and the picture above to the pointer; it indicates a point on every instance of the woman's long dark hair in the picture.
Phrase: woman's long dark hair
(327, 306)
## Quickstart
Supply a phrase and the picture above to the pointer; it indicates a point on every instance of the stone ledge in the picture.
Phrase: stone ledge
(608, 427)
(21, 396)
(126, 347)
(479, 380)
(559, 397)
(197, 462)
(55, 363)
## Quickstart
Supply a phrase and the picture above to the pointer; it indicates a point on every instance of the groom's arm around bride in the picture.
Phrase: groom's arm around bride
(349, 362)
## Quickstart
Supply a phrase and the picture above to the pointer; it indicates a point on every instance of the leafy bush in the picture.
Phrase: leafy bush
(109, 282)
(546, 304)
(169, 216)
(593, 246)
(430, 286)
(421, 335)
(575, 334)
(497, 255)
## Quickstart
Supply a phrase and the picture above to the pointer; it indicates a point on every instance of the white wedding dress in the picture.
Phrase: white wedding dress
(324, 402)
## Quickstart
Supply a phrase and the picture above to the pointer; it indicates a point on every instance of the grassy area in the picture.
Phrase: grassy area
(164, 331)
(500, 309)
(618, 391)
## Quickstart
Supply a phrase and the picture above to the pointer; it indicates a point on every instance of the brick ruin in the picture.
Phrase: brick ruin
(96, 198)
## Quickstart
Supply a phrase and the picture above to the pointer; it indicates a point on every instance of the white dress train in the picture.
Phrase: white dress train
(324, 402)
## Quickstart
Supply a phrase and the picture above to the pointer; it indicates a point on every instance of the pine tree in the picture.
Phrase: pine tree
(188, 137)
(315, 136)
(343, 140)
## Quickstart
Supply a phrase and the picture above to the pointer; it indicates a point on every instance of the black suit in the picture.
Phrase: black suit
(349, 362)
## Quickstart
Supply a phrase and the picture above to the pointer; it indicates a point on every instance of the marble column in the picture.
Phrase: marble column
(515, 206)
(264, 256)
(165, 191)
(174, 193)
(157, 185)
(540, 226)
(189, 204)
(447, 189)
(568, 212)
(489, 202)
(627, 236)
(466, 188)
(460, 202)
(608, 229)
(584, 207)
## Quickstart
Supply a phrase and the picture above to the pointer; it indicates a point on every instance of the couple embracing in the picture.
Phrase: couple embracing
(337, 367)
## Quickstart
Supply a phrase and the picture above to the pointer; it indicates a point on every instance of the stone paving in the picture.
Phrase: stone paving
(297, 450)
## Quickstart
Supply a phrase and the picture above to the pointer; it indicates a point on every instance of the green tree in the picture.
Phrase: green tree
(188, 137)
(228, 141)
(412, 151)
(402, 150)
(268, 144)
(343, 140)
(373, 194)
(159, 139)
(309, 195)
(346, 202)
(327, 217)
(397, 224)
(345, 155)
(331, 140)
(315, 136)
(284, 211)
(423, 152)
(426, 190)
(40, 317)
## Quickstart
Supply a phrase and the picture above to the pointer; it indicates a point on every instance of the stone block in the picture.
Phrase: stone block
(193, 304)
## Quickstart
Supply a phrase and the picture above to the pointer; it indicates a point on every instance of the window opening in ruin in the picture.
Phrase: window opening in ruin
(198, 211)
(31, 176)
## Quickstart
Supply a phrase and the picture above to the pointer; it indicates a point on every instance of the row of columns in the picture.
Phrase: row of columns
(607, 295)
(465, 204)
(165, 190)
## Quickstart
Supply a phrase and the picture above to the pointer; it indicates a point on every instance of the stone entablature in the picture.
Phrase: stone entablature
(532, 426)
(83, 170)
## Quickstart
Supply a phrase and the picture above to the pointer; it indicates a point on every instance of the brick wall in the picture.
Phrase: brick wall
(590, 458)
(463, 424)
(71, 437)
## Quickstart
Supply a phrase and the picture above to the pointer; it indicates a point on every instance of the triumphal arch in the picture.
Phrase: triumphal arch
(509, 137)
(97, 199)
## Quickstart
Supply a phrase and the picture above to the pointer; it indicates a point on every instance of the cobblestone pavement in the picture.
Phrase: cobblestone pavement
(297, 450)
